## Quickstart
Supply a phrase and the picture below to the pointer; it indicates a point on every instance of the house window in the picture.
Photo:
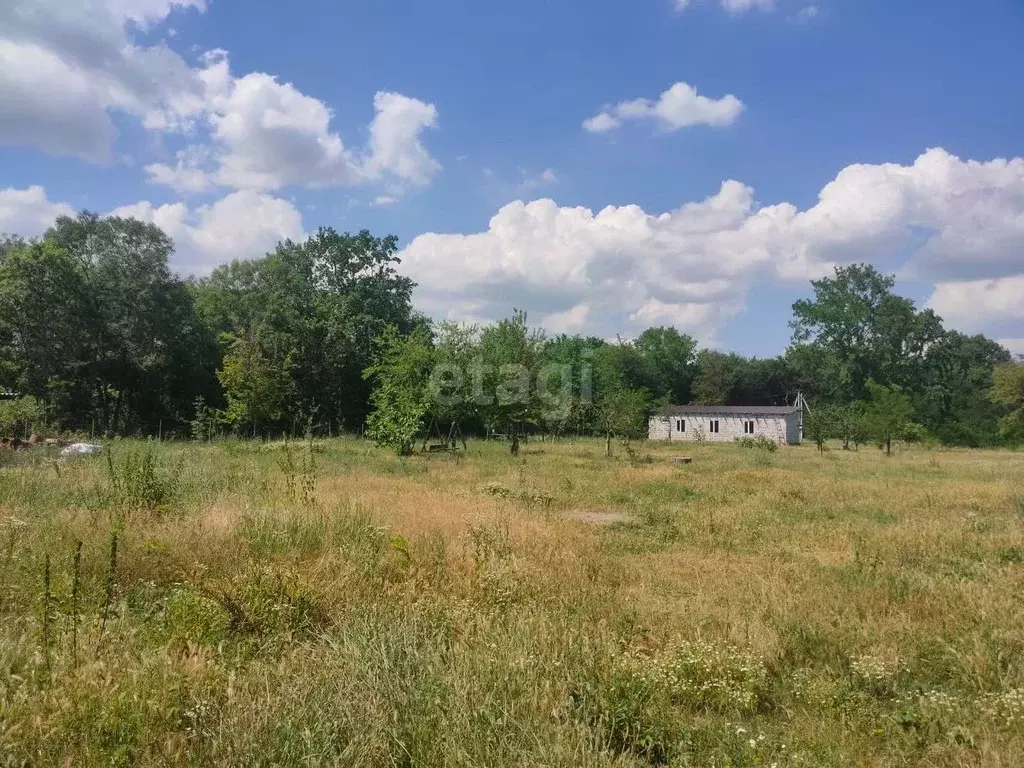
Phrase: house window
(713, 428)
(680, 425)
(748, 427)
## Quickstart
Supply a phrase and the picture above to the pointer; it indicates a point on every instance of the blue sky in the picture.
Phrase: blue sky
(474, 121)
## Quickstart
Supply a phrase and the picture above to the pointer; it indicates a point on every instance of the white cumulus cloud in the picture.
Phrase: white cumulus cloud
(972, 304)
(270, 135)
(186, 175)
(678, 107)
(960, 222)
(67, 67)
(395, 147)
(28, 212)
(64, 66)
(242, 225)
(266, 134)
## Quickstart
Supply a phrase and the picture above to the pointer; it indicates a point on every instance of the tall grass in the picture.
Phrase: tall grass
(332, 604)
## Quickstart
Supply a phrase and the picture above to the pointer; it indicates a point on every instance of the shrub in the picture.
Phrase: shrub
(18, 417)
(760, 443)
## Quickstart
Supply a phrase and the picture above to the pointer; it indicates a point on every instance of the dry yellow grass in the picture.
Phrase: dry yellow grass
(334, 604)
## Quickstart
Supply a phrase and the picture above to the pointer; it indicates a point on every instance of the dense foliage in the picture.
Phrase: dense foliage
(321, 336)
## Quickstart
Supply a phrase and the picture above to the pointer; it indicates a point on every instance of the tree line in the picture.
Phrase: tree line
(98, 335)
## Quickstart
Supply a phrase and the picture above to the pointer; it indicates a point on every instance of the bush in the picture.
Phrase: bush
(760, 443)
(18, 417)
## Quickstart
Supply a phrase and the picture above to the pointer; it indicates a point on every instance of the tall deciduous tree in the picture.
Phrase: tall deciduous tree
(455, 348)
(567, 365)
(258, 386)
(118, 336)
(47, 328)
(1008, 390)
(950, 396)
(620, 405)
(321, 303)
(856, 329)
(671, 362)
(718, 374)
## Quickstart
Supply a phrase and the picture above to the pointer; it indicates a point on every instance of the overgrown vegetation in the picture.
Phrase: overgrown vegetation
(18, 416)
(330, 603)
(101, 338)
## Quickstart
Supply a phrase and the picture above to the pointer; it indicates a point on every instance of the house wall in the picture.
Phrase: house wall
(782, 429)
(658, 428)
(793, 428)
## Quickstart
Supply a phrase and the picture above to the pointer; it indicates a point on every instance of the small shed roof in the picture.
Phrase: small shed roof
(728, 410)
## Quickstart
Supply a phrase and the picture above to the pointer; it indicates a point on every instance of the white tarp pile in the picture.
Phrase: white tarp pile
(81, 449)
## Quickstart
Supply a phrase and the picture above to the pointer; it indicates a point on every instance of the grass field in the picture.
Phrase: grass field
(251, 604)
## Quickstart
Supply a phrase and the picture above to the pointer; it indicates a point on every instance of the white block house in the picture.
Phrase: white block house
(725, 423)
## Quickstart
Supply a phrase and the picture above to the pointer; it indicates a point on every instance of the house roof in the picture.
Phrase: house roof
(728, 410)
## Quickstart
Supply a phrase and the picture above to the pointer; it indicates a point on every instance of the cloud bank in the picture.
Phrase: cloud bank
(622, 268)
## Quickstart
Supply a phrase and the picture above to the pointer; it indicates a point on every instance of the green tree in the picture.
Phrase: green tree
(620, 407)
(888, 413)
(47, 330)
(717, 376)
(820, 426)
(855, 330)
(455, 348)
(949, 399)
(93, 323)
(20, 416)
(851, 424)
(1008, 391)
(401, 393)
(765, 381)
(144, 355)
(569, 402)
(671, 363)
(258, 385)
(322, 303)
(509, 352)
(8, 243)
(622, 413)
